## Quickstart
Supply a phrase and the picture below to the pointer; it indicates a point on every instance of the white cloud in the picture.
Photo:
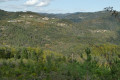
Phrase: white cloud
(39, 3)
(43, 3)
(31, 2)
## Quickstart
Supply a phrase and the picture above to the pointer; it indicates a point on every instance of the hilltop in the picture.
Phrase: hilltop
(58, 32)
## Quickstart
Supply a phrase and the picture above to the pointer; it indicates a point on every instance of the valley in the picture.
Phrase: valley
(47, 46)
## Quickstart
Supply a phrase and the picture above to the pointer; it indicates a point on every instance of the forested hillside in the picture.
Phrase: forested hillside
(75, 46)
(31, 29)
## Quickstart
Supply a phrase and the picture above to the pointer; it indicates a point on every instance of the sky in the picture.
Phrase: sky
(58, 6)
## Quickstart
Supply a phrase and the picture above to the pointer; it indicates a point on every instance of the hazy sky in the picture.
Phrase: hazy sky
(58, 6)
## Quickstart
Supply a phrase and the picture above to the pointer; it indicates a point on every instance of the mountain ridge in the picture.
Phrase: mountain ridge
(58, 34)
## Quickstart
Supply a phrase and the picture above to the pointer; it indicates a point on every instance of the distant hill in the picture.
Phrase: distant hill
(78, 16)
(12, 15)
(58, 32)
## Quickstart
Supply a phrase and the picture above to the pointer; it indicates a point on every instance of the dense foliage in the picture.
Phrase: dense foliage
(36, 64)
(78, 46)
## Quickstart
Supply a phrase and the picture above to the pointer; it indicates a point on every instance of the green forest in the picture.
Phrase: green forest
(76, 46)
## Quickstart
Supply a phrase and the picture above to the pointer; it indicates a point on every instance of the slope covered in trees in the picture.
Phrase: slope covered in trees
(37, 64)
(32, 29)
(59, 47)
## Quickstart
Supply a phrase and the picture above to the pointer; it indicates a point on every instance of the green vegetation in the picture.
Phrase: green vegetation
(78, 46)
(36, 64)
